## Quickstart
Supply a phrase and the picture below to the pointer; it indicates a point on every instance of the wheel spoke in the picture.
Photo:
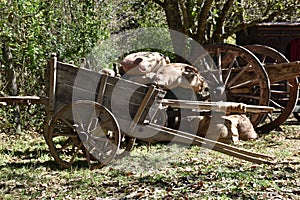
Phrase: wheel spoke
(75, 152)
(280, 92)
(67, 143)
(66, 122)
(247, 96)
(241, 85)
(240, 74)
(93, 122)
(70, 135)
(263, 60)
(276, 104)
(227, 76)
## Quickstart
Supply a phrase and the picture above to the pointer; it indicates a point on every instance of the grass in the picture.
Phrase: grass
(161, 171)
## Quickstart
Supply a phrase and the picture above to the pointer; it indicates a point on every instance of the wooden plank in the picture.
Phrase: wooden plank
(101, 88)
(121, 96)
(87, 79)
(137, 118)
(226, 107)
(52, 83)
(167, 134)
(155, 105)
(283, 71)
(66, 94)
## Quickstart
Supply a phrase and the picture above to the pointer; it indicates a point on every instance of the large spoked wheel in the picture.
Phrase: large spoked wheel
(83, 132)
(284, 94)
(244, 78)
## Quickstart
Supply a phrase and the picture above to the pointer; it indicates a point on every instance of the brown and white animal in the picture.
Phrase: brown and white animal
(154, 67)
(141, 63)
(227, 129)
(174, 75)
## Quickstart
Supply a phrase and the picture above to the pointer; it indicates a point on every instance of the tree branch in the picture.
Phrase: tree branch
(185, 16)
(220, 21)
(202, 21)
(268, 18)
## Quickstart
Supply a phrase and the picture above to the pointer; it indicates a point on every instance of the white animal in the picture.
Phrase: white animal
(141, 63)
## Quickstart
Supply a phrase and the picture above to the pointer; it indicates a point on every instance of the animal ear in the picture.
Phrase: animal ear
(167, 59)
(188, 68)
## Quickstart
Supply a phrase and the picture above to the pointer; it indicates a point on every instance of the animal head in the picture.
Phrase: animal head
(143, 62)
(179, 75)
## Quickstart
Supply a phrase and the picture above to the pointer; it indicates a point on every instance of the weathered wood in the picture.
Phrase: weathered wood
(121, 96)
(101, 88)
(52, 83)
(283, 71)
(226, 107)
(141, 109)
(11, 100)
(167, 134)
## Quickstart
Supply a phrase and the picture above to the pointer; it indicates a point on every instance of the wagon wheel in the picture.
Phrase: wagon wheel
(284, 94)
(244, 78)
(83, 131)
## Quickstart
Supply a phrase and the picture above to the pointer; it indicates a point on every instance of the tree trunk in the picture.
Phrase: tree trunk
(11, 79)
(216, 38)
(174, 21)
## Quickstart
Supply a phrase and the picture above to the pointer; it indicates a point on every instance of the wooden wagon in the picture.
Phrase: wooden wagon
(92, 117)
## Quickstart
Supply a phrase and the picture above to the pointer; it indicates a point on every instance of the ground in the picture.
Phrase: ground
(161, 171)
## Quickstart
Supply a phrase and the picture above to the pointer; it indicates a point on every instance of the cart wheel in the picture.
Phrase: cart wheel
(83, 131)
(284, 94)
(244, 77)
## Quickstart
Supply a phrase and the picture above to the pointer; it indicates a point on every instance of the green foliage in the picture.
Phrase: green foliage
(34, 29)
(212, 21)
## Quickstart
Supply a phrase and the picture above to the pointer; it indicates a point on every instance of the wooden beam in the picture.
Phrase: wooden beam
(226, 107)
(283, 71)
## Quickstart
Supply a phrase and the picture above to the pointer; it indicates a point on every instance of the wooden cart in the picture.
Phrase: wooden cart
(258, 75)
(91, 117)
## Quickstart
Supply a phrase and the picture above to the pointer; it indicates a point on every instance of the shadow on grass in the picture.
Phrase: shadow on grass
(32, 164)
(26, 154)
(30, 159)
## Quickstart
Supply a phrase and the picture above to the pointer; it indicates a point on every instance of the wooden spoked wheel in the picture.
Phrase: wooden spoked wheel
(284, 94)
(245, 79)
(83, 131)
